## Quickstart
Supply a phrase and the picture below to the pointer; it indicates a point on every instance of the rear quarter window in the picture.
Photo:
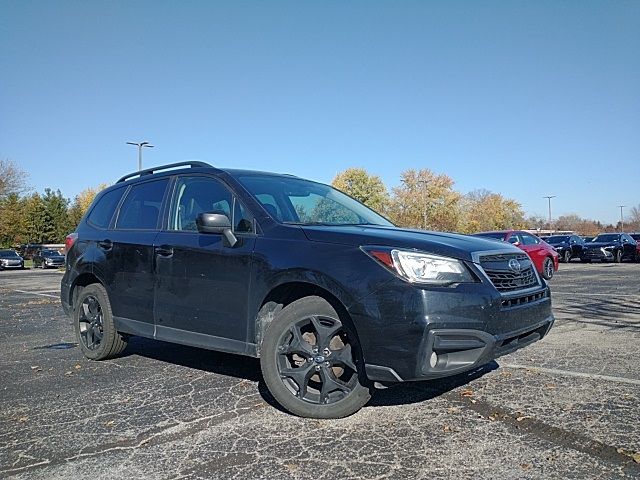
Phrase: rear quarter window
(102, 212)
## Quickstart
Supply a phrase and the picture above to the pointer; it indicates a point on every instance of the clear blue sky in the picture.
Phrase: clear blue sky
(521, 98)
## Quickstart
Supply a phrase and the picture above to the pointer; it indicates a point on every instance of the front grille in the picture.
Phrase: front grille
(503, 277)
(517, 301)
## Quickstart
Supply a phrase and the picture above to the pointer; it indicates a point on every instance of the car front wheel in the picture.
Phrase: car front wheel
(567, 256)
(547, 268)
(311, 363)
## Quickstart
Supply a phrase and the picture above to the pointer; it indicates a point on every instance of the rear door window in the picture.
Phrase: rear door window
(141, 207)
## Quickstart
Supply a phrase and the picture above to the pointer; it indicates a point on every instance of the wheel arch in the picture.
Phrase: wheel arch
(289, 291)
(79, 283)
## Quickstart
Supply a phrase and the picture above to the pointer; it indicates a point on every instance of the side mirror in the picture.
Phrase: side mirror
(210, 222)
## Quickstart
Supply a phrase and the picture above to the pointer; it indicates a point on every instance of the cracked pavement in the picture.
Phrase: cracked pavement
(565, 407)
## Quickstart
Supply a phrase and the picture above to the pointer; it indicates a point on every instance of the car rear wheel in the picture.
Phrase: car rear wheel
(93, 321)
(311, 362)
(547, 268)
(618, 257)
(566, 256)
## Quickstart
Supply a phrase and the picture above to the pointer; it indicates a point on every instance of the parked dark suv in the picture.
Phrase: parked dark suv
(331, 296)
(567, 246)
(610, 247)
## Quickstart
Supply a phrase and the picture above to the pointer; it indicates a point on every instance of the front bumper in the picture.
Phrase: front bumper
(447, 352)
(10, 265)
(466, 326)
(597, 254)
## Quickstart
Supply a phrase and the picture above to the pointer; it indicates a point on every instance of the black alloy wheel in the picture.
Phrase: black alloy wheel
(310, 361)
(547, 268)
(93, 322)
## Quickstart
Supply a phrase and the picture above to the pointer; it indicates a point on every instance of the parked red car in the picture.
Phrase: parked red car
(543, 255)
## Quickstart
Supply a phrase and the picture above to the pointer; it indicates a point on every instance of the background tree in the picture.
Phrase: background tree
(12, 179)
(56, 216)
(483, 210)
(82, 202)
(34, 219)
(425, 200)
(633, 222)
(12, 221)
(364, 187)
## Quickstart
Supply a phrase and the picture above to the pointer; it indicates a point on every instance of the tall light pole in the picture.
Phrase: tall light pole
(140, 146)
(621, 218)
(549, 197)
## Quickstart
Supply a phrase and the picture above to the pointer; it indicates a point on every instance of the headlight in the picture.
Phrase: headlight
(424, 268)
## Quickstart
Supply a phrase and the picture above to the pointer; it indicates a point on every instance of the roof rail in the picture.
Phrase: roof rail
(151, 171)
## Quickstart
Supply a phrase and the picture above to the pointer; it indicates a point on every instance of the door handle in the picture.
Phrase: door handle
(105, 245)
(164, 251)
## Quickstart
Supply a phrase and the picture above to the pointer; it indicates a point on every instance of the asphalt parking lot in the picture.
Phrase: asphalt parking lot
(566, 407)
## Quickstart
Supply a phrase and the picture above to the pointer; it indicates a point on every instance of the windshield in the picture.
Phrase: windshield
(50, 253)
(610, 237)
(496, 235)
(557, 239)
(302, 202)
(8, 254)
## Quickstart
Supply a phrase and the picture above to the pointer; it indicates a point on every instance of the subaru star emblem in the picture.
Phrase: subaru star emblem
(514, 265)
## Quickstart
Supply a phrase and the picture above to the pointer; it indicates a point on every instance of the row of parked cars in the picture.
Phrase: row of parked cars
(46, 258)
(546, 252)
(606, 247)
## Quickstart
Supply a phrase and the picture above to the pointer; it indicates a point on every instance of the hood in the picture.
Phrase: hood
(445, 244)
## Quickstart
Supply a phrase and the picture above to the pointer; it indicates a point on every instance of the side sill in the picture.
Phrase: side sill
(184, 337)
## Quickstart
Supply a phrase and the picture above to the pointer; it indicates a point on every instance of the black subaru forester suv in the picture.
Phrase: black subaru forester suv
(333, 298)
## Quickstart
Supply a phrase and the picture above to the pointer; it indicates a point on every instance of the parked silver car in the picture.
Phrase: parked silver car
(10, 259)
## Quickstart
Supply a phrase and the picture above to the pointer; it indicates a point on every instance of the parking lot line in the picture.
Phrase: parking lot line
(38, 293)
(569, 373)
(625, 295)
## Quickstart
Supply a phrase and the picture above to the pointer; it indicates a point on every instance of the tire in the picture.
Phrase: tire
(618, 256)
(566, 256)
(311, 361)
(93, 322)
(547, 268)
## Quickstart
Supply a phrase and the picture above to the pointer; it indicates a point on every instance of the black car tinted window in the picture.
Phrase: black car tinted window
(607, 237)
(194, 195)
(242, 219)
(141, 207)
(102, 212)
(8, 254)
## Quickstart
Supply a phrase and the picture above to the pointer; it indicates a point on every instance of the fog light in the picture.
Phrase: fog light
(433, 360)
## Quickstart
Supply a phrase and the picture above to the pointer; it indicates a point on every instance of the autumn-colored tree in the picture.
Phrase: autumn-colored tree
(12, 221)
(82, 202)
(364, 187)
(425, 200)
(483, 210)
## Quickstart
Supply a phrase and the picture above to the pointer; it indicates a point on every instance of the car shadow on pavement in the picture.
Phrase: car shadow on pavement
(248, 368)
(416, 392)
